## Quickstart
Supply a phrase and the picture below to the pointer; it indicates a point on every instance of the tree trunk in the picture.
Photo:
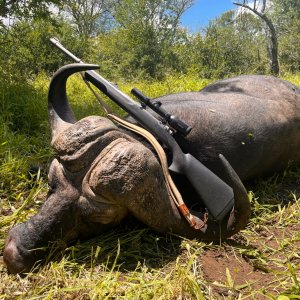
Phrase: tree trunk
(272, 46)
(272, 43)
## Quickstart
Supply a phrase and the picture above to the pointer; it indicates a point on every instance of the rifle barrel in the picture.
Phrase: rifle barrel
(57, 43)
(215, 193)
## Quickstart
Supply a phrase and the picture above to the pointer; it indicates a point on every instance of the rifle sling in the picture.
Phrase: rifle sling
(174, 193)
(172, 189)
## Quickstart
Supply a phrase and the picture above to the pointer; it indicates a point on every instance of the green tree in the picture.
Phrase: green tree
(149, 30)
(271, 33)
(228, 46)
(27, 8)
(286, 16)
(90, 17)
(26, 51)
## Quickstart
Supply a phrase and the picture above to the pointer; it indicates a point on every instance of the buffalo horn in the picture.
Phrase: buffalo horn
(60, 112)
(240, 214)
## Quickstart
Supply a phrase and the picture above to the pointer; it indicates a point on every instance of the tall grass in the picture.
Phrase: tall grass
(294, 78)
(24, 129)
(133, 262)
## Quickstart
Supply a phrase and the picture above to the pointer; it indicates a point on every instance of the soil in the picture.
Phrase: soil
(257, 276)
(230, 275)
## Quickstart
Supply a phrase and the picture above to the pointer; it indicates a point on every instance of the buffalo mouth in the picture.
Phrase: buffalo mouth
(16, 256)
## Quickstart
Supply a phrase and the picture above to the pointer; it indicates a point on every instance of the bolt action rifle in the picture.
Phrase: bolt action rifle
(217, 196)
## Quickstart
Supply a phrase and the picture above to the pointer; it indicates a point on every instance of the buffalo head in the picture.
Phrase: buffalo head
(99, 176)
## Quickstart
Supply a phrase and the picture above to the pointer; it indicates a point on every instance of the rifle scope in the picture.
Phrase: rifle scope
(171, 120)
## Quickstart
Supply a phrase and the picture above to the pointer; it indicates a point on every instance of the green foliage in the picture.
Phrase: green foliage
(290, 49)
(228, 47)
(24, 135)
(285, 12)
(25, 50)
(27, 9)
(286, 16)
(294, 78)
(143, 39)
(146, 35)
(89, 17)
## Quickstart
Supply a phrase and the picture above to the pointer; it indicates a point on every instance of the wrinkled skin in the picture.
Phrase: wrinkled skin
(102, 173)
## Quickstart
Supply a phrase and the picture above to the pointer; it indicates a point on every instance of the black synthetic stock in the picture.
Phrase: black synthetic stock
(215, 193)
(212, 190)
(217, 196)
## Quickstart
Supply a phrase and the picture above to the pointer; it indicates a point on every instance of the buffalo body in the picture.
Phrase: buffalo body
(102, 173)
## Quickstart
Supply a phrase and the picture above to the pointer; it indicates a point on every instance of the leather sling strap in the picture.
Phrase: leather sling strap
(174, 193)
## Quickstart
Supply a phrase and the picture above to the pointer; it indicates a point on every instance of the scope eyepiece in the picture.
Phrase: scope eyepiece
(179, 126)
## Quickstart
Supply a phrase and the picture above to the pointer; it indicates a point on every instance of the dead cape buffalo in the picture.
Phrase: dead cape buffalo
(102, 173)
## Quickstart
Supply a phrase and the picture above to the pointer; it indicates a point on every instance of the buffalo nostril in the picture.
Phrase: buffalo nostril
(13, 259)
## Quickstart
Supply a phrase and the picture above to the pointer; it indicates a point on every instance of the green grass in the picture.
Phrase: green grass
(294, 78)
(133, 262)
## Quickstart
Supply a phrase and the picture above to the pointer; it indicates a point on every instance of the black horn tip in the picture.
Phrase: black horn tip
(68, 70)
(57, 88)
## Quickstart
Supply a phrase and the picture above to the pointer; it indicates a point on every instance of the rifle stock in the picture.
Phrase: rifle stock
(217, 196)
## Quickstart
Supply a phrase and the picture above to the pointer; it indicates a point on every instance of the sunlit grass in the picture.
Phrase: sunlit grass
(294, 78)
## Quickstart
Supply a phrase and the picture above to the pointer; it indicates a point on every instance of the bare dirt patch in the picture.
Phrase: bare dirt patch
(229, 274)
(260, 263)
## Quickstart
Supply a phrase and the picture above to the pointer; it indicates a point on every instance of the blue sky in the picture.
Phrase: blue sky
(202, 11)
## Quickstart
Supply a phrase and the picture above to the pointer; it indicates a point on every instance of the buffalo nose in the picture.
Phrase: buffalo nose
(13, 259)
